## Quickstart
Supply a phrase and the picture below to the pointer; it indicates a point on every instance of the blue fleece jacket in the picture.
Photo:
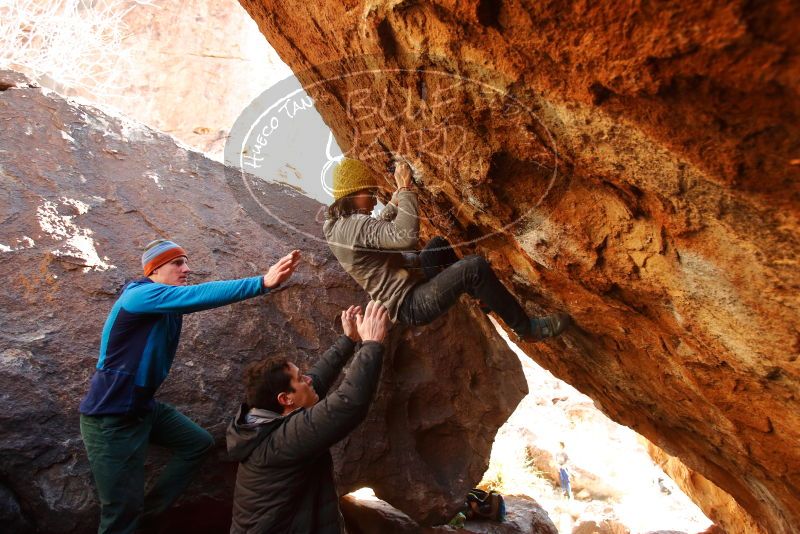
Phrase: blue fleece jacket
(141, 335)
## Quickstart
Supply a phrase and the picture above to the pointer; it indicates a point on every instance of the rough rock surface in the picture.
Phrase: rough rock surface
(715, 502)
(646, 158)
(603, 527)
(420, 422)
(523, 514)
(366, 516)
(82, 191)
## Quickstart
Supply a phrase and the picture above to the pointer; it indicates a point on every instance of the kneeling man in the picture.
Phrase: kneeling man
(281, 436)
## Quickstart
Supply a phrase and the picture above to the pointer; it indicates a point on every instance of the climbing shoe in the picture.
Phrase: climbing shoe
(547, 326)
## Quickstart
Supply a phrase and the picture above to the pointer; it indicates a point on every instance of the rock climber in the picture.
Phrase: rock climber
(119, 415)
(415, 288)
(282, 434)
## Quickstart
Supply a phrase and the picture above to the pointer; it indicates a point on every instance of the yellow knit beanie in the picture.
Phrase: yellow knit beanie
(352, 175)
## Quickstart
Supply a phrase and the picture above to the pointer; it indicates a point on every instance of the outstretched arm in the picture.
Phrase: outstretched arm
(310, 431)
(162, 298)
(316, 429)
(328, 367)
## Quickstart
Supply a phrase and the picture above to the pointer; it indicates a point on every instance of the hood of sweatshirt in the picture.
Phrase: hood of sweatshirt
(248, 429)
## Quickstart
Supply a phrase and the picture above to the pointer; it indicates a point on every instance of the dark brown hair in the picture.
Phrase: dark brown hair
(344, 207)
(264, 380)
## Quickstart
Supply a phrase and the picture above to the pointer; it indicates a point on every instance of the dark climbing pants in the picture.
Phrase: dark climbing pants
(448, 277)
(117, 447)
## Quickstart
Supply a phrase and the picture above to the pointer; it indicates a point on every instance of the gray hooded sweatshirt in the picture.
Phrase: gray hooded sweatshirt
(285, 483)
(371, 250)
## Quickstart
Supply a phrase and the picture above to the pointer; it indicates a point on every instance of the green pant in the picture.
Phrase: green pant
(117, 447)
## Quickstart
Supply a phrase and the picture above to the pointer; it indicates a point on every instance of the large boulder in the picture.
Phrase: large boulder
(369, 515)
(82, 192)
(430, 418)
(635, 166)
(523, 515)
(363, 516)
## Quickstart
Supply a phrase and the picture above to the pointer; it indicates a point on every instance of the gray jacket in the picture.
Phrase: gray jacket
(285, 483)
(371, 250)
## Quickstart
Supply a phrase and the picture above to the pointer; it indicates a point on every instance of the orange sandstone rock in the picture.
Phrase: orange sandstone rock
(630, 164)
(715, 503)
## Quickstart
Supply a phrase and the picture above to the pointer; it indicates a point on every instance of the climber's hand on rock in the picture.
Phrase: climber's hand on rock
(402, 175)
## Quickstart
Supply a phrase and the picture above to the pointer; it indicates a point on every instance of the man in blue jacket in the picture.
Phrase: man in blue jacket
(119, 416)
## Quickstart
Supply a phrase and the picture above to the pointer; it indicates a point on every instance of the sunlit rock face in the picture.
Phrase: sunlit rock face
(82, 192)
(646, 159)
(185, 68)
(716, 503)
(196, 64)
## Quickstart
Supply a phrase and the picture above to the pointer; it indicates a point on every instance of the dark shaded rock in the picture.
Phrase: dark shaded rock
(11, 516)
(523, 514)
(367, 516)
(420, 422)
(81, 192)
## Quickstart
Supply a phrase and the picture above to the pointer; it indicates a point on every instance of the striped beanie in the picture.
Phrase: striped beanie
(350, 176)
(159, 252)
